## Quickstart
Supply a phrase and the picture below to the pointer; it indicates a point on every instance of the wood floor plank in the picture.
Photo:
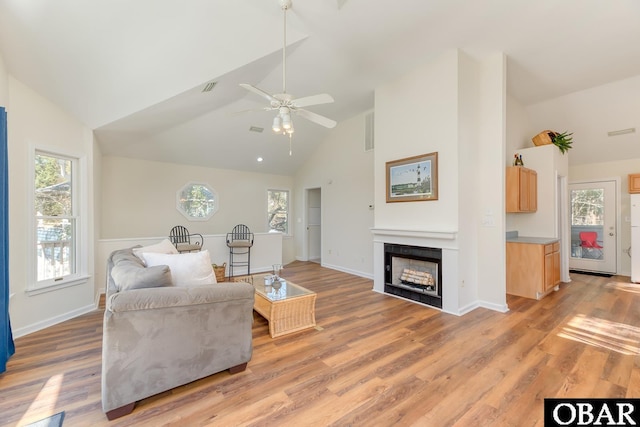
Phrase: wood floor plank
(374, 360)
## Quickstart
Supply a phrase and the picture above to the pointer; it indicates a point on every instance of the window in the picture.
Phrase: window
(197, 202)
(56, 219)
(278, 210)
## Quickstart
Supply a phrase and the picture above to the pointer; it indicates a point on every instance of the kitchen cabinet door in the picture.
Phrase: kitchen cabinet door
(521, 189)
(634, 183)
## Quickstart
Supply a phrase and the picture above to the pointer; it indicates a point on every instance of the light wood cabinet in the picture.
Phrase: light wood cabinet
(533, 270)
(521, 189)
(634, 183)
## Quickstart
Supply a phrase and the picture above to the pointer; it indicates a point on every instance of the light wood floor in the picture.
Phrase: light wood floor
(378, 361)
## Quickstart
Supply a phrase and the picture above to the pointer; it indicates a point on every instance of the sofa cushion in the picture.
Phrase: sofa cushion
(125, 255)
(164, 247)
(186, 269)
(129, 275)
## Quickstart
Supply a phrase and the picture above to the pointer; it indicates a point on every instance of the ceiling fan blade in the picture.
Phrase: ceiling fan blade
(316, 118)
(323, 98)
(259, 92)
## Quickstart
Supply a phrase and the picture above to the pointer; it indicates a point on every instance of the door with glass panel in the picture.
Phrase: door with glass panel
(593, 226)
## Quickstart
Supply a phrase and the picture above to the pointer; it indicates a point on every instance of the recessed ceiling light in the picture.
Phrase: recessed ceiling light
(260, 159)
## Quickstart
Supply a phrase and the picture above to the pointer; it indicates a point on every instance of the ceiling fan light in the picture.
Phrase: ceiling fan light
(290, 130)
(276, 124)
(286, 122)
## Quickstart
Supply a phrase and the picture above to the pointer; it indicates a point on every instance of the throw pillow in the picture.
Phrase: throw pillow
(129, 275)
(164, 247)
(186, 269)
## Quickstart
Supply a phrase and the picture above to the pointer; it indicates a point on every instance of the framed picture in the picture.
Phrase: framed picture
(413, 179)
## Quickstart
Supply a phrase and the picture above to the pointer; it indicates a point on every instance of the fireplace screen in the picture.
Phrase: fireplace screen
(414, 272)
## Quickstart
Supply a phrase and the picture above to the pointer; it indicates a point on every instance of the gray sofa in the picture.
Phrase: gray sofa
(158, 338)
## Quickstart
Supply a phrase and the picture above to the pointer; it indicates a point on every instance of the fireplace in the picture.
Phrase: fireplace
(414, 272)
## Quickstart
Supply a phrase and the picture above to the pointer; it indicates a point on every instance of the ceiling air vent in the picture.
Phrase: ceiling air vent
(256, 129)
(621, 132)
(209, 86)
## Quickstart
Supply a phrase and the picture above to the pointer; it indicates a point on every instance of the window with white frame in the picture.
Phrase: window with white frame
(56, 219)
(197, 201)
(278, 210)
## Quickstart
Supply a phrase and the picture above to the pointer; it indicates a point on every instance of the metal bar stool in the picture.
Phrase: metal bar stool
(181, 239)
(239, 242)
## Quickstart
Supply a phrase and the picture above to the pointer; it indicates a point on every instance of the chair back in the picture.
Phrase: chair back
(588, 238)
(241, 232)
(179, 234)
(240, 236)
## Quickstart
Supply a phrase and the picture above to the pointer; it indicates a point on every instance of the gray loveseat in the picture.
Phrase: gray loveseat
(158, 338)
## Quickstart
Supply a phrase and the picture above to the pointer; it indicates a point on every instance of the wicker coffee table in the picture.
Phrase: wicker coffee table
(290, 308)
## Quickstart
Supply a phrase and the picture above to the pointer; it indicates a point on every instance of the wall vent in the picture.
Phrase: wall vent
(209, 86)
(368, 132)
(621, 132)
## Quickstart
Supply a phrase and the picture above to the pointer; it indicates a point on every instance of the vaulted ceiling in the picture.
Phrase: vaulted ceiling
(134, 71)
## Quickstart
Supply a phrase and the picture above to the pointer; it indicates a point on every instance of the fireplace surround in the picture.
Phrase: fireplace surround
(413, 272)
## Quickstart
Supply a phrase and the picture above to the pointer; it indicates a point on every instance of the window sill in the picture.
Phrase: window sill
(78, 280)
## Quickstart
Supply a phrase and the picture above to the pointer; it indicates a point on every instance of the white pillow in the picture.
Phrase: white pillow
(186, 269)
(164, 247)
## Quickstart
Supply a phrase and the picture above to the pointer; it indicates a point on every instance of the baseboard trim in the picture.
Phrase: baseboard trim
(348, 270)
(501, 308)
(26, 330)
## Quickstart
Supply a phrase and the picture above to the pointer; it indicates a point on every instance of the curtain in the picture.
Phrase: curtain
(7, 347)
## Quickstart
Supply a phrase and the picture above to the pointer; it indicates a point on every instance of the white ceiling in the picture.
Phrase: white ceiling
(134, 70)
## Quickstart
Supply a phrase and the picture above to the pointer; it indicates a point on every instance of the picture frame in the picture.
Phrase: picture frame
(413, 179)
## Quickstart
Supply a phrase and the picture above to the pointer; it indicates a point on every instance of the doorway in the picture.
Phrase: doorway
(594, 226)
(314, 224)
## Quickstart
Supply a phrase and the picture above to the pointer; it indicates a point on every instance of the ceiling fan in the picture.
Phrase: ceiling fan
(284, 103)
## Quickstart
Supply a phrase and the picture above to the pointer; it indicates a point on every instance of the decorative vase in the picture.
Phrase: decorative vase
(543, 138)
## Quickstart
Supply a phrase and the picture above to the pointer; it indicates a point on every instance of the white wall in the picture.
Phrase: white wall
(590, 114)
(4, 84)
(468, 195)
(487, 180)
(418, 114)
(139, 199)
(34, 121)
(519, 129)
(344, 172)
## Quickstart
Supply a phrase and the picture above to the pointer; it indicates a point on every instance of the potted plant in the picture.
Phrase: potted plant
(561, 140)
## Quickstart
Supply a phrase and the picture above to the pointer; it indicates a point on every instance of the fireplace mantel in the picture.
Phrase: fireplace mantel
(424, 234)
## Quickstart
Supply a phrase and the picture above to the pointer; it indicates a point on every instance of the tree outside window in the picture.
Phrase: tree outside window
(54, 216)
(197, 202)
(278, 210)
(587, 207)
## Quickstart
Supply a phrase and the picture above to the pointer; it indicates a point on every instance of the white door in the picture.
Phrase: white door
(593, 226)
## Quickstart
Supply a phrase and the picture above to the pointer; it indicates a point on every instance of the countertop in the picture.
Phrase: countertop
(532, 240)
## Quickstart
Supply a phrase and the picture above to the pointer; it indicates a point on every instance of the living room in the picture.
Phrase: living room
(452, 103)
